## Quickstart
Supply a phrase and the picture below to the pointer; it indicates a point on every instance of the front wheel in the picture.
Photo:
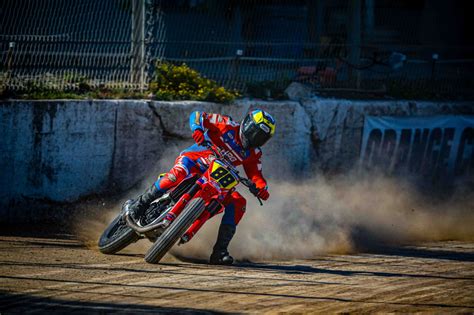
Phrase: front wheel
(164, 243)
(116, 236)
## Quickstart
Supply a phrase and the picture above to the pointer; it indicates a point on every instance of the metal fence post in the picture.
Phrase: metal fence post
(137, 66)
(369, 19)
(315, 16)
(11, 47)
(354, 38)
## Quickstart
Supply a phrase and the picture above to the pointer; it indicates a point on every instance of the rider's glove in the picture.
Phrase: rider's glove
(263, 193)
(198, 136)
(254, 190)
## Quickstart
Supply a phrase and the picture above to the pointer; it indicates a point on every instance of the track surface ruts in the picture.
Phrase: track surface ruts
(59, 273)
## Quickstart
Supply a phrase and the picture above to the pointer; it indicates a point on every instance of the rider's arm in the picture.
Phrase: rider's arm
(253, 169)
(205, 121)
(196, 121)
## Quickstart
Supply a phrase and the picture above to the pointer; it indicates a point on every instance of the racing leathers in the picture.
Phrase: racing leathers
(223, 132)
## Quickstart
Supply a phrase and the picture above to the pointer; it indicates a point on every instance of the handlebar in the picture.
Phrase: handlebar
(245, 181)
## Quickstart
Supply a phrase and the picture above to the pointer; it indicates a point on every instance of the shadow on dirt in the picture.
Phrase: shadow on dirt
(89, 307)
(425, 253)
(24, 303)
(37, 231)
(301, 269)
(304, 269)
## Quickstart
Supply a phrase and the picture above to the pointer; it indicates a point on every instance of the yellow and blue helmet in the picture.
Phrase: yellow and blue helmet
(256, 129)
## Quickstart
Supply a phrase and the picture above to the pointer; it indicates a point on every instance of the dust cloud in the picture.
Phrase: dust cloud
(93, 216)
(338, 216)
(301, 220)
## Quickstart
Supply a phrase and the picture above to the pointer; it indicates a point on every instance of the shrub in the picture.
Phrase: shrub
(171, 82)
(68, 86)
(180, 82)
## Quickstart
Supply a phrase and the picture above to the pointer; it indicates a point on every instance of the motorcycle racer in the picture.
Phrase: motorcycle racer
(240, 143)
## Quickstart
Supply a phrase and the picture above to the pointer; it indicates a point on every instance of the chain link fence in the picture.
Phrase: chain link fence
(64, 43)
(258, 47)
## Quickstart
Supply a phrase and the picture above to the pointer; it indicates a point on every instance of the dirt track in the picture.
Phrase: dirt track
(58, 272)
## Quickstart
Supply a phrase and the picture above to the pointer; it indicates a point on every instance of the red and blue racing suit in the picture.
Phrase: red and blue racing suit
(224, 133)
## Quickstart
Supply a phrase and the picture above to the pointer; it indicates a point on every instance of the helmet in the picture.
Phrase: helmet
(256, 129)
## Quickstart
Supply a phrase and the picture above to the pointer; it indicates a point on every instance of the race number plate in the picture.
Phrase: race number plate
(222, 176)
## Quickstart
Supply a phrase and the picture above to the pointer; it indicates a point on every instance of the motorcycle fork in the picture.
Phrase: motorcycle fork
(211, 210)
(183, 201)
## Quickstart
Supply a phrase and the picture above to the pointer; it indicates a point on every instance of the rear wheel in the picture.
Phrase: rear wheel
(164, 243)
(116, 236)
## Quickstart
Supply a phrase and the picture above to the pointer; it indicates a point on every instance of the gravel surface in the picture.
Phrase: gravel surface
(59, 273)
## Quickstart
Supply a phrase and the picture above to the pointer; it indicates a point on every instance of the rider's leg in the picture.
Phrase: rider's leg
(194, 228)
(138, 206)
(179, 171)
(234, 210)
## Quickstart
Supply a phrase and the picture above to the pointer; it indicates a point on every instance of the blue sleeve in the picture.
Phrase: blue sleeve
(195, 121)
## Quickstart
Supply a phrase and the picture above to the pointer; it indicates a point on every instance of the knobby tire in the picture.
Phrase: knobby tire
(111, 244)
(164, 243)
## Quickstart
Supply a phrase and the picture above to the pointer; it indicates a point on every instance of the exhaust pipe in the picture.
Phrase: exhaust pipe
(140, 229)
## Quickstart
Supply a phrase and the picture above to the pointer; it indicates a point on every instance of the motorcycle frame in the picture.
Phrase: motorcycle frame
(149, 230)
(208, 187)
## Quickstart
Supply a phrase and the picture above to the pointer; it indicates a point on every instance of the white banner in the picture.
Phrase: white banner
(439, 146)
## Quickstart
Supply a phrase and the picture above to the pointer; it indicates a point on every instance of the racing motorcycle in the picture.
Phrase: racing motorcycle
(194, 200)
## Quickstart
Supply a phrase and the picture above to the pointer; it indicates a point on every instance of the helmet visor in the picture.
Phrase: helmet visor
(256, 135)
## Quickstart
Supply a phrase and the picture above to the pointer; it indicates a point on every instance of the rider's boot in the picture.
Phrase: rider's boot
(220, 255)
(138, 206)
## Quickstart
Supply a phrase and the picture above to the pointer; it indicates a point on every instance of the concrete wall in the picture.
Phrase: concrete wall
(337, 125)
(59, 151)
(63, 150)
